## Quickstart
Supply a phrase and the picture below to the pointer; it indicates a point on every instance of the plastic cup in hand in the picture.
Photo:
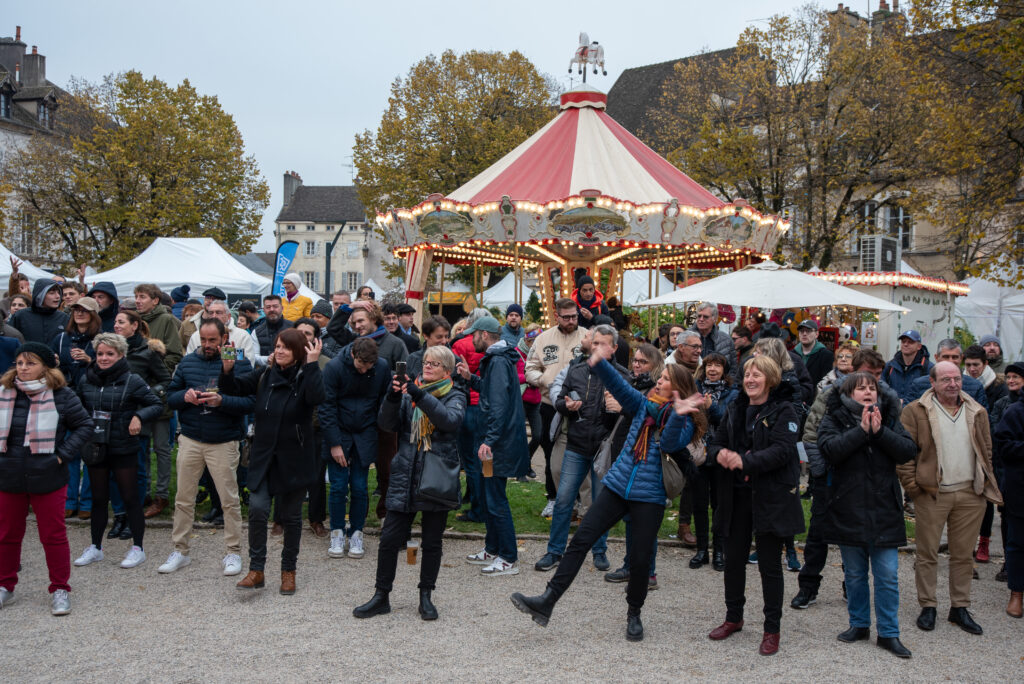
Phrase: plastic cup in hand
(411, 549)
(488, 466)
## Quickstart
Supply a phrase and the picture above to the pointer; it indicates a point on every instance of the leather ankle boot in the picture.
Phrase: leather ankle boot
(634, 628)
(686, 536)
(254, 580)
(1015, 608)
(981, 555)
(378, 605)
(287, 582)
(537, 607)
(120, 522)
(427, 609)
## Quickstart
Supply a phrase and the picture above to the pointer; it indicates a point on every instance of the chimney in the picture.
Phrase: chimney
(35, 69)
(292, 182)
(34, 50)
(17, 34)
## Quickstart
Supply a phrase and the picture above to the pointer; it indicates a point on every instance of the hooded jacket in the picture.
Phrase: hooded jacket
(348, 414)
(179, 296)
(901, 376)
(164, 327)
(501, 410)
(62, 345)
(108, 314)
(819, 360)
(865, 503)
(40, 323)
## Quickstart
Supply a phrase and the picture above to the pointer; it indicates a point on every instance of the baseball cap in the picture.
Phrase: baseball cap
(911, 335)
(485, 323)
(808, 323)
(88, 303)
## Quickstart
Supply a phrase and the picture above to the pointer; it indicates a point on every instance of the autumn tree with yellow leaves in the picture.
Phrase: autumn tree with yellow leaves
(130, 160)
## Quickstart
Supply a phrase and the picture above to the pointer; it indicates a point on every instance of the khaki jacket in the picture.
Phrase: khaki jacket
(552, 351)
(921, 475)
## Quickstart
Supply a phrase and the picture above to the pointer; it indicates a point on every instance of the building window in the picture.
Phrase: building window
(5, 105)
(352, 250)
(352, 281)
(312, 248)
(291, 227)
(901, 227)
(864, 223)
(310, 227)
(330, 229)
(44, 115)
(312, 280)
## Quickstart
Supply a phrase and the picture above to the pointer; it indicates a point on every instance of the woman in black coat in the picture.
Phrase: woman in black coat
(863, 443)
(35, 474)
(426, 414)
(757, 442)
(283, 458)
(119, 402)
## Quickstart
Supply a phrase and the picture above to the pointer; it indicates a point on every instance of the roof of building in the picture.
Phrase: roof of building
(35, 92)
(324, 204)
(257, 263)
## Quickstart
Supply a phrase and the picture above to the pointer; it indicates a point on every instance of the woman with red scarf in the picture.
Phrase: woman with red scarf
(588, 300)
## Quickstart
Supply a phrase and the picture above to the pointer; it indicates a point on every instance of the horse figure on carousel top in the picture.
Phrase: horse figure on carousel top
(588, 53)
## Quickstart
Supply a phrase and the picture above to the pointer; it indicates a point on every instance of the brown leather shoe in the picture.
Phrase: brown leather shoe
(156, 508)
(686, 536)
(254, 580)
(277, 530)
(318, 529)
(1015, 608)
(287, 582)
(769, 644)
(84, 515)
(725, 629)
(69, 513)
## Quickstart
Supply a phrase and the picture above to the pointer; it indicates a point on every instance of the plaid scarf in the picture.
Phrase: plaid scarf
(41, 427)
(658, 410)
(422, 428)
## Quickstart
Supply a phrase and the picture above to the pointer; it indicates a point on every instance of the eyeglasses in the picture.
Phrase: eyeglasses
(570, 317)
(845, 357)
(431, 364)
(698, 347)
(640, 362)
(704, 316)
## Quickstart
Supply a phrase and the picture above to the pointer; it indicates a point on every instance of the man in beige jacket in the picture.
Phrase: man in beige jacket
(551, 352)
(949, 482)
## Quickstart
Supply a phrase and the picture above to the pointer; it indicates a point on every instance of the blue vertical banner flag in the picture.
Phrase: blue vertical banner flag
(282, 262)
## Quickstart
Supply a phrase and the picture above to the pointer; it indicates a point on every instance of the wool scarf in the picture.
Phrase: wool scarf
(378, 333)
(41, 426)
(422, 428)
(658, 409)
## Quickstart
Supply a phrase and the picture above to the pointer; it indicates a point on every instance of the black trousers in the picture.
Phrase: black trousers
(607, 510)
(815, 548)
(393, 537)
(547, 416)
(705, 494)
(769, 564)
(317, 511)
(289, 510)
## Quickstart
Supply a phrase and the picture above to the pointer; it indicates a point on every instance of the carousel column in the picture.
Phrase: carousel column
(417, 269)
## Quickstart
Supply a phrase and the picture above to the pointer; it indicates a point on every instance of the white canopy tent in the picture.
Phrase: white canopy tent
(993, 310)
(770, 286)
(504, 293)
(636, 287)
(33, 273)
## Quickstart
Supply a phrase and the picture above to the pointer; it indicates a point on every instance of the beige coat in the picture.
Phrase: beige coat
(551, 352)
(921, 476)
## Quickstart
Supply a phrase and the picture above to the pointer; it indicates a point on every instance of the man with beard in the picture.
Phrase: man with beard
(512, 331)
(994, 350)
(588, 301)
(273, 322)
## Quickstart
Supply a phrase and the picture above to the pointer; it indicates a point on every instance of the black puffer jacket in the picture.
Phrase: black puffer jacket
(149, 365)
(446, 415)
(222, 423)
(283, 448)
(591, 423)
(124, 395)
(865, 503)
(23, 472)
(39, 323)
(770, 461)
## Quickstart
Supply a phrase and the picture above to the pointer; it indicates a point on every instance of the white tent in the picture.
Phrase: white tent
(199, 262)
(33, 273)
(635, 286)
(993, 310)
(504, 293)
(770, 286)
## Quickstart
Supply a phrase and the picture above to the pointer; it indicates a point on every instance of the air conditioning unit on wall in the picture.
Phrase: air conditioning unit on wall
(879, 253)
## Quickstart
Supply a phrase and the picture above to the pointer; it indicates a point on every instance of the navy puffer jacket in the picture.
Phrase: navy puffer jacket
(223, 423)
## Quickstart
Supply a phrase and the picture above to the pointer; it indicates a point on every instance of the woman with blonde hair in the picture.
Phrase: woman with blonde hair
(42, 426)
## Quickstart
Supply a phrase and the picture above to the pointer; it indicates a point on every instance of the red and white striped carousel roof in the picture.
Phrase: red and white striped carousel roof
(584, 149)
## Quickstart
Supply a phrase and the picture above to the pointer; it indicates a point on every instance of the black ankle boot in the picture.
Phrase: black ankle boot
(634, 628)
(537, 607)
(427, 609)
(700, 558)
(120, 523)
(378, 605)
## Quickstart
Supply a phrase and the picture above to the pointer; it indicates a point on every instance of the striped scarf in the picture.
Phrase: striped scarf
(41, 427)
(658, 410)
(422, 428)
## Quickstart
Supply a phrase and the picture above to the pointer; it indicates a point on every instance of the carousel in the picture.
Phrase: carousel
(582, 194)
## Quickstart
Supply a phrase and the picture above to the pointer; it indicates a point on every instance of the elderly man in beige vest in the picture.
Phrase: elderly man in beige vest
(949, 481)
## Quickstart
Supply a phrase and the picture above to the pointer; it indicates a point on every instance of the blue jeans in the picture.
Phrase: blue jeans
(575, 468)
(471, 436)
(884, 565)
(79, 492)
(343, 480)
(500, 539)
(629, 547)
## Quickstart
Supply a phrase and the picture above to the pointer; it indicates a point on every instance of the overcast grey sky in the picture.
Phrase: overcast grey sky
(303, 77)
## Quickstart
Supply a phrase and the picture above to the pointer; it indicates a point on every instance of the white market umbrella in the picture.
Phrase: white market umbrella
(770, 286)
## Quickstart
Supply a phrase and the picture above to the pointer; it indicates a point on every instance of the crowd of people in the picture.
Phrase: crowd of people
(286, 401)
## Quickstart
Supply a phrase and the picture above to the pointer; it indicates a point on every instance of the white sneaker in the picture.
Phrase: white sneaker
(482, 558)
(549, 510)
(337, 549)
(232, 564)
(500, 566)
(355, 545)
(134, 557)
(6, 597)
(60, 602)
(175, 561)
(90, 555)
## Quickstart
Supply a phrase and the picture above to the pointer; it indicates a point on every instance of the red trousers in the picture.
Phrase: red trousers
(49, 510)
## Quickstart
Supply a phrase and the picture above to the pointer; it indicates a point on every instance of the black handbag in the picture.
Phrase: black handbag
(439, 481)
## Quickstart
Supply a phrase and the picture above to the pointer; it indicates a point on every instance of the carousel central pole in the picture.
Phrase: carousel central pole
(440, 302)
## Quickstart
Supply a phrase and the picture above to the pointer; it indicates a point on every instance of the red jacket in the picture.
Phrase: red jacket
(464, 348)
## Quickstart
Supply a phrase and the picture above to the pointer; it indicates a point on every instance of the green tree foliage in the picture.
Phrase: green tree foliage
(131, 160)
(448, 120)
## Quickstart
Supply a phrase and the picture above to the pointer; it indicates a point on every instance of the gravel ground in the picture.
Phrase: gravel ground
(137, 625)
